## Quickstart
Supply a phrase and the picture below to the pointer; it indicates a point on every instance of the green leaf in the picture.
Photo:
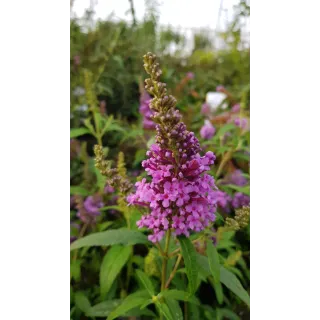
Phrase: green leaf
(130, 302)
(75, 270)
(82, 301)
(164, 309)
(203, 265)
(77, 132)
(105, 225)
(193, 311)
(244, 190)
(146, 304)
(175, 309)
(228, 314)
(145, 281)
(110, 237)
(112, 263)
(214, 265)
(190, 261)
(225, 129)
(225, 244)
(103, 309)
(137, 312)
(76, 190)
(101, 180)
(88, 124)
(178, 295)
(118, 208)
(233, 284)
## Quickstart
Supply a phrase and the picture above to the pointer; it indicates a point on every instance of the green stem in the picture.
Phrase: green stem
(173, 271)
(165, 261)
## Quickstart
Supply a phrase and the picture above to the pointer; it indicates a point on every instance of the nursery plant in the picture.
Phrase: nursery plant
(169, 247)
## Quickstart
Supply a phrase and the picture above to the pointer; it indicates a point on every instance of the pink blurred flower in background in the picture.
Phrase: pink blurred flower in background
(208, 130)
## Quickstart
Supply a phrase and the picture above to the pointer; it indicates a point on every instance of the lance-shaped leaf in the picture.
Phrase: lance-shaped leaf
(112, 263)
(190, 261)
(214, 265)
(109, 238)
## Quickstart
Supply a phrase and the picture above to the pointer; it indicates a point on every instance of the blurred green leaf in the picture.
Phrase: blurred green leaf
(75, 270)
(214, 265)
(103, 309)
(130, 302)
(164, 309)
(190, 261)
(175, 309)
(76, 190)
(77, 132)
(81, 301)
(178, 295)
(233, 284)
(226, 128)
(244, 190)
(228, 314)
(111, 266)
(110, 237)
(145, 281)
(88, 124)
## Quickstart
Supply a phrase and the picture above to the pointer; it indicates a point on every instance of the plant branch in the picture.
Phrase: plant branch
(173, 271)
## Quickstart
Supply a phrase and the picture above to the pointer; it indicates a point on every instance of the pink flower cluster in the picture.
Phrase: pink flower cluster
(181, 195)
(146, 112)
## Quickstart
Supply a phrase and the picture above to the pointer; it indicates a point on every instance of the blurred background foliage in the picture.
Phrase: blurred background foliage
(112, 51)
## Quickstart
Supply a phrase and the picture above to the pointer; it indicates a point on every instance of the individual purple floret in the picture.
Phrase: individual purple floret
(208, 130)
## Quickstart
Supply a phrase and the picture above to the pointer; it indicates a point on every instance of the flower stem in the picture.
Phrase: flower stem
(165, 260)
(173, 271)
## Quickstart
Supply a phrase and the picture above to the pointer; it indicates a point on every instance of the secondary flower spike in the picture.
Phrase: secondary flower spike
(181, 194)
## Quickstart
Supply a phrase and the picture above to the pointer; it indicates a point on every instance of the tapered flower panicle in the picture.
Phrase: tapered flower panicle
(181, 194)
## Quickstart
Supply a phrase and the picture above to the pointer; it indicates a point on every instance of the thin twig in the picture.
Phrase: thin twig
(174, 271)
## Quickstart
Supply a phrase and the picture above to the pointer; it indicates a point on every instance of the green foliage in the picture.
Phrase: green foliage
(189, 258)
(110, 237)
(111, 266)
